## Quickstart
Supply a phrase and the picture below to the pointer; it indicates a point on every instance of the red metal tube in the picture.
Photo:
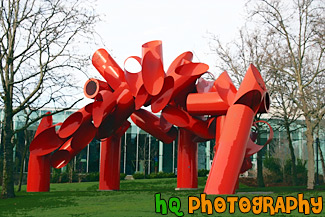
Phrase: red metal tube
(151, 124)
(134, 80)
(183, 84)
(226, 89)
(110, 154)
(39, 173)
(180, 60)
(187, 161)
(152, 67)
(209, 103)
(181, 118)
(39, 168)
(124, 108)
(79, 140)
(231, 150)
(104, 105)
(74, 121)
(251, 90)
(93, 86)
(141, 98)
(45, 142)
(159, 101)
(108, 68)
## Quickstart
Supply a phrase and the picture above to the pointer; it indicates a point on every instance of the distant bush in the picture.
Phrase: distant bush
(301, 172)
(138, 175)
(273, 172)
(161, 175)
(122, 176)
(63, 177)
(92, 177)
(203, 172)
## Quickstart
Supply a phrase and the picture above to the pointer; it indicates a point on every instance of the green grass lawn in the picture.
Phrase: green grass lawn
(136, 198)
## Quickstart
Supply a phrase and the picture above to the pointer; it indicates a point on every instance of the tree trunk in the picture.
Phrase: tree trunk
(311, 160)
(7, 178)
(22, 160)
(322, 162)
(260, 179)
(292, 154)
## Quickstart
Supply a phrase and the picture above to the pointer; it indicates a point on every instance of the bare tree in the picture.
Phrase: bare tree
(38, 50)
(295, 25)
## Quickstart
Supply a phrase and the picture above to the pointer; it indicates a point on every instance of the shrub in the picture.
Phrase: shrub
(92, 177)
(301, 171)
(203, 172)
(273, 172)
(122, 176)
(138, 175)
(55, 176)
(64, 177)
(160, 175)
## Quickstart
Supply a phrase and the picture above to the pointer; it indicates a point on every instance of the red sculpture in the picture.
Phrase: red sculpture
(196, 109)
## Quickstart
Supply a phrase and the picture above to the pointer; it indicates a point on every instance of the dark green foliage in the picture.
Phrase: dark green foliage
(92, 177)
(278, 175)
(275, 174)
(203, 172)
(161, 175)
(122, 176)
(138, 175)
(301, 172)
(1, 167)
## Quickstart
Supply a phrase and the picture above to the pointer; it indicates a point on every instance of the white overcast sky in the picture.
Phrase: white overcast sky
(181, 25)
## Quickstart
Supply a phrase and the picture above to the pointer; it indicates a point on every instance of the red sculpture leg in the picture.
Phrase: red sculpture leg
(187, 162)
(39, 167)
(231, 150)
(110, 155)
(39, 173)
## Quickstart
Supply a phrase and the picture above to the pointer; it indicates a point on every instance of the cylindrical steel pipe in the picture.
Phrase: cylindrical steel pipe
(110, 156)
(39, 173)
(187, 161)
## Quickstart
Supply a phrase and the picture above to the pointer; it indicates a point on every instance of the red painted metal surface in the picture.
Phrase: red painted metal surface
(45, 142)
(110, 156)
(206, 104)
(187, 160)
(134, 79)
(226, 89)
(79, 140)
(181, 118)
(124, 108)
(153, 73)
(108, 68)
(93, 86)
(74, 121)
(232, 149)
(39, 168)
(39, 173)
(160, 101)
(151, 124)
